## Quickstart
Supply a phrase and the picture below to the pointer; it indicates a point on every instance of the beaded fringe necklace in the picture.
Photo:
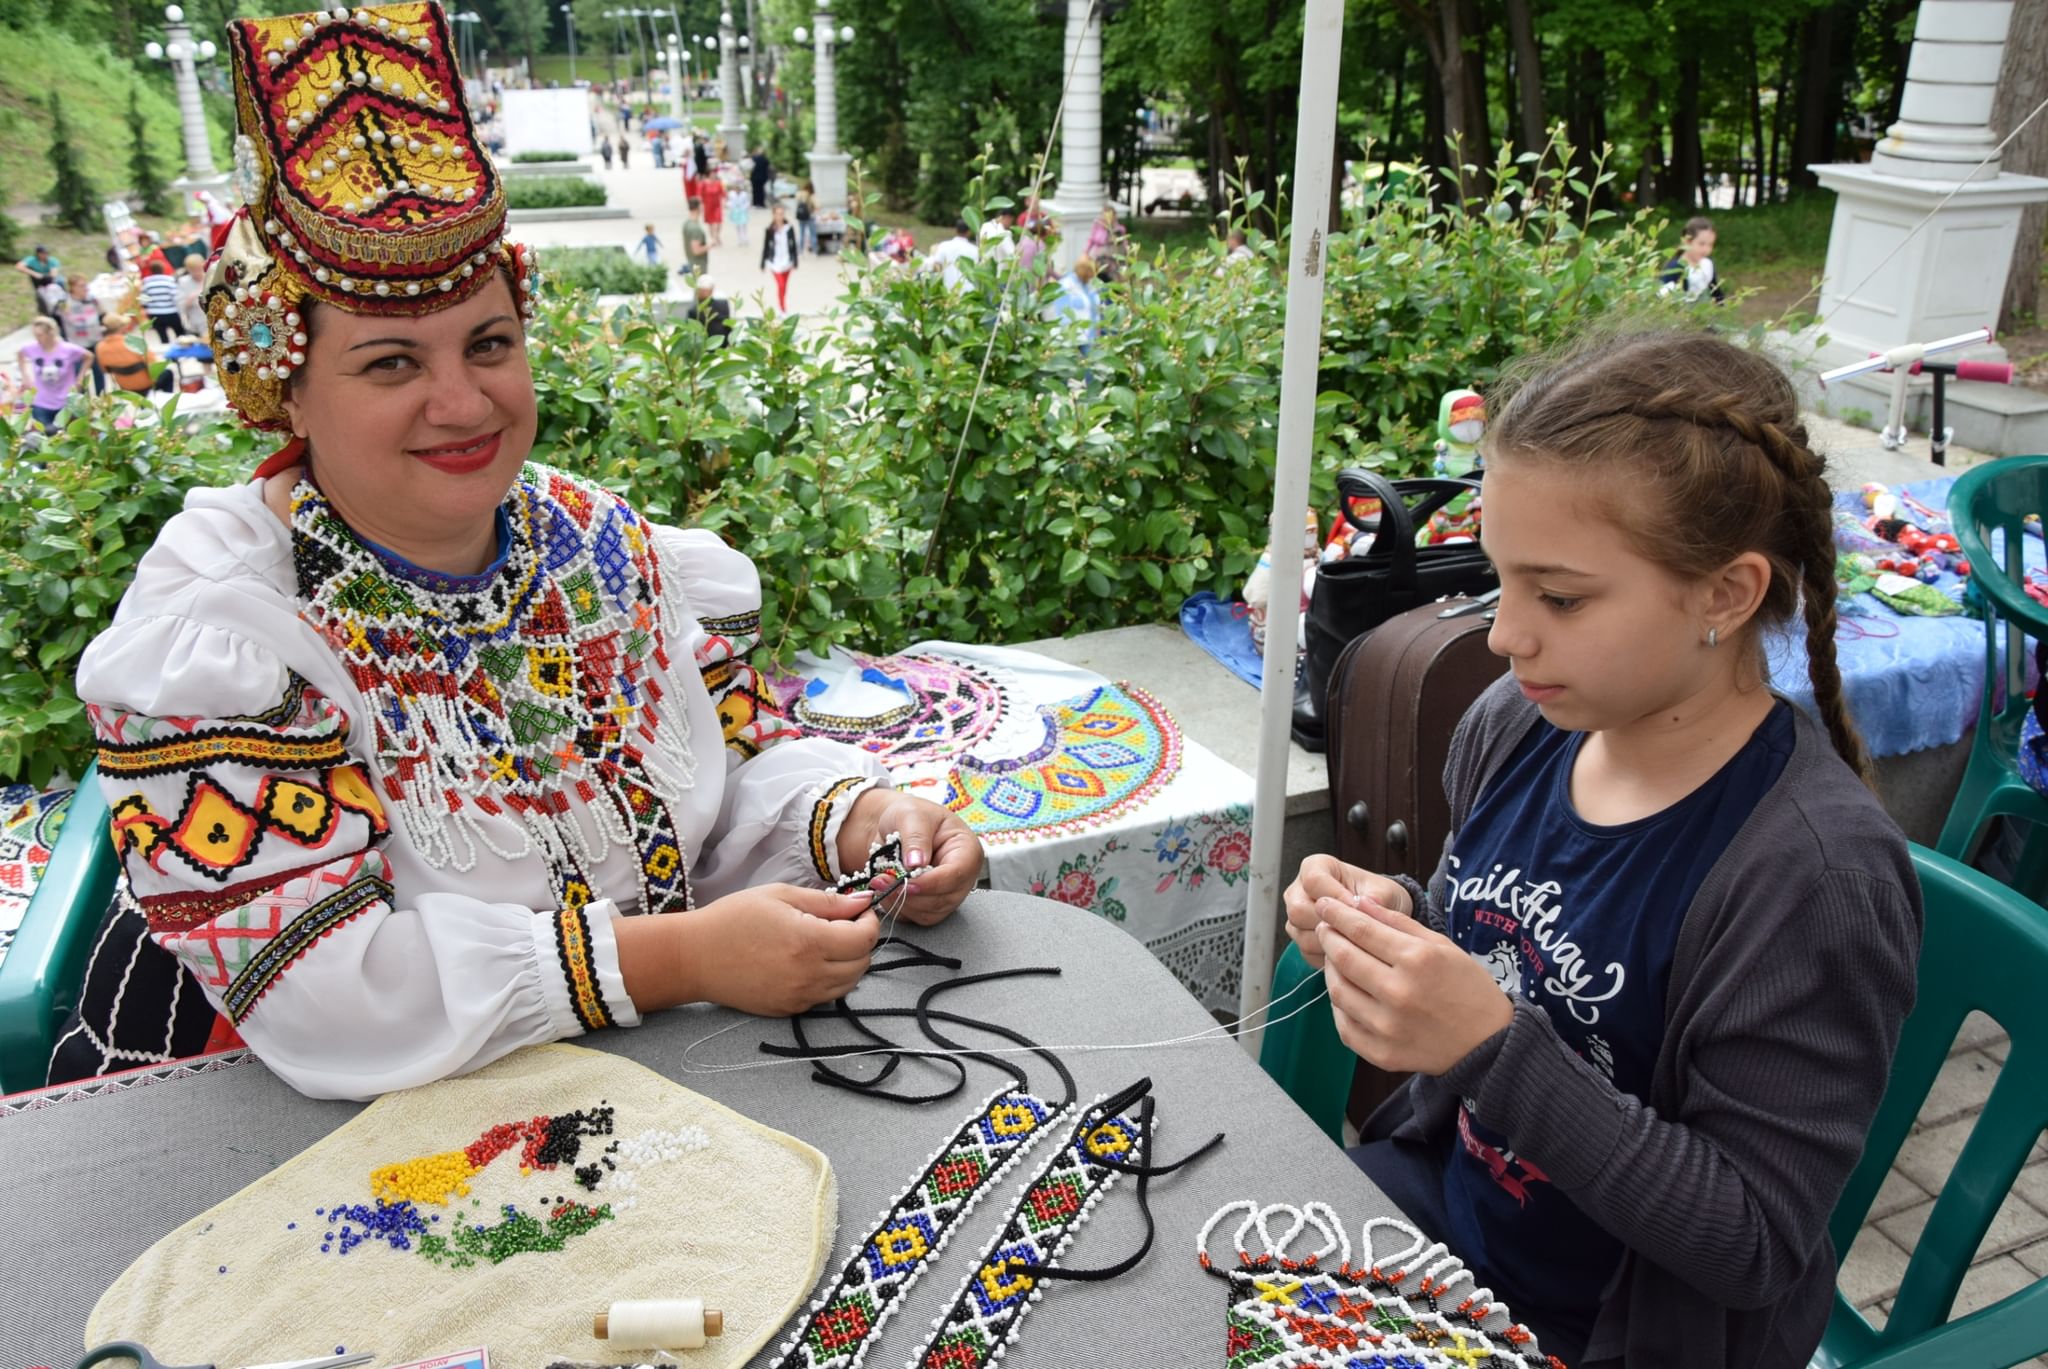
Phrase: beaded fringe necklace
(512, 691)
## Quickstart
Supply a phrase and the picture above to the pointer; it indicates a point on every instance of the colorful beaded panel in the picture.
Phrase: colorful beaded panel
(947, 707)
(409, 1199)
(843, 1322)
(508, 697)
(1391, 1310)
(29, 822)
(1105, 753)
(749, 712)
(1051, 1208)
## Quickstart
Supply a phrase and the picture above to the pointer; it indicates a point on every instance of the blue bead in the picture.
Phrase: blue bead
(261, 335)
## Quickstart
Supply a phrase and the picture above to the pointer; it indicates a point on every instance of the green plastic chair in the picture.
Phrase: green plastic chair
(1986, 949)
(44, 969)
(1998, 495)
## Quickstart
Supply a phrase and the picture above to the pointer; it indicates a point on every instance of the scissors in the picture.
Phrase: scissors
(128, 1349)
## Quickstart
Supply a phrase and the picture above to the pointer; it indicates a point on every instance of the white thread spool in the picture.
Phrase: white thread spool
(659, 1324)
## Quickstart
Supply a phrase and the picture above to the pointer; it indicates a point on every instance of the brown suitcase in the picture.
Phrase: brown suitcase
(1396, 695)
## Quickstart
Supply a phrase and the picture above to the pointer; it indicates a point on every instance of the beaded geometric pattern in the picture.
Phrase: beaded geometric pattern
(749, 713)
(947, 707)
(559, 1153)
(1050, 1210)
(1105, 752)
(1321, 1311)
(509, 692)
(29, 822)
(843, 1322)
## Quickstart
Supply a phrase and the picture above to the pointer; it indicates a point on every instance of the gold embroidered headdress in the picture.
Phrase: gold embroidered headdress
(364, 188)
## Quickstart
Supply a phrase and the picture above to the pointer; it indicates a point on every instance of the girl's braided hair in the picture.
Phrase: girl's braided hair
(1697, 448)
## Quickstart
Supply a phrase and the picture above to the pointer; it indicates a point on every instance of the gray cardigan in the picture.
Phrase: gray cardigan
(1794, 970)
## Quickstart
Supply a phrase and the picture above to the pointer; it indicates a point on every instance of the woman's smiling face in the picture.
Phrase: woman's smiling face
(417, 426)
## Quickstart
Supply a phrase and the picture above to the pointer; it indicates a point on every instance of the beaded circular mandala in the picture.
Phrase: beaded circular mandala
(944, 707)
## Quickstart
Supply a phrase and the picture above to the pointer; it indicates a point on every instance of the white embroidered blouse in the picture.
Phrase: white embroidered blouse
(387, 818)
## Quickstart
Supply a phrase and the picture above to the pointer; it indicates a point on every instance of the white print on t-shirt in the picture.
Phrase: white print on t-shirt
(1527, 912)
(1500, 962)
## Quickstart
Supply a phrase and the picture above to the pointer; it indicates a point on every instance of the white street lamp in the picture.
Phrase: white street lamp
(730, 129)
(570, 13)
(182, 53)
(675, 75)
(828, 164)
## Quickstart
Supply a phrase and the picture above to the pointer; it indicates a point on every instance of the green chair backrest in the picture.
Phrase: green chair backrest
(44, 969)
(1999, 496)
(1985, 949)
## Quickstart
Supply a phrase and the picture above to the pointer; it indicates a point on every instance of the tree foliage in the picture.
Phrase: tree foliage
(76, 203)
(146, 178)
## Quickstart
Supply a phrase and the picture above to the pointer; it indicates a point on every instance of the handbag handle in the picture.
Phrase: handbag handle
(1396, 516)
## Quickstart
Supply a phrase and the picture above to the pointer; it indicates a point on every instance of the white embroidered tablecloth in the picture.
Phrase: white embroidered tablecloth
(29, 822)
(1083, 789)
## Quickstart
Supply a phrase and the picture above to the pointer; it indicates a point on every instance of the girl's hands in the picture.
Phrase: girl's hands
(775, 950)
(943, 854)
(1324, 877)
(1405, 997)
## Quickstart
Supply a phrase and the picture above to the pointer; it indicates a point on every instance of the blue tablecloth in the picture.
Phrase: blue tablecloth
(1912, 683)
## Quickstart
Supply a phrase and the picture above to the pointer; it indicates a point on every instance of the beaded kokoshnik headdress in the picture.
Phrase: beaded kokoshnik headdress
(364, 188)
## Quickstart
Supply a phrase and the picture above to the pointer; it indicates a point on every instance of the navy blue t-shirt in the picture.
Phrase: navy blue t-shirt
(1580, 920)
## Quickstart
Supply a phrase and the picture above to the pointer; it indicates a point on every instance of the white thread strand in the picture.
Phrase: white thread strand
(1221, 1031)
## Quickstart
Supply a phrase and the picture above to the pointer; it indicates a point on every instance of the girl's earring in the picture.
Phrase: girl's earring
(1713, 636)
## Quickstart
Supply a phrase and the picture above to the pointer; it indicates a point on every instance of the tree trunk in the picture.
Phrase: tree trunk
(2023, 84)
(1813, 138)
(1756, 119)
(1394, 125)
(1780, 105)
(1686, 171)
(1528, 74)
(1478, 125)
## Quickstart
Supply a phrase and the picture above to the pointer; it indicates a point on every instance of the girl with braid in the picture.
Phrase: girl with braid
(1651, 993)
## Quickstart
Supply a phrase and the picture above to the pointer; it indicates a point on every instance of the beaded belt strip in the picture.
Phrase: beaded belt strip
(1306, 1314)
(841, 1324)
(1049, 1212)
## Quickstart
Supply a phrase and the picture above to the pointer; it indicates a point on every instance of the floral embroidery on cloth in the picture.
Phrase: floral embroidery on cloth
(1393, 1309)
(29, 822)
(1104, 753)
(842, 1322)
(750, 712)
(504, 693)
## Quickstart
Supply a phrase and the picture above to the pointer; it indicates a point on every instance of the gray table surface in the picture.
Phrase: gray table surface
(89, 1184)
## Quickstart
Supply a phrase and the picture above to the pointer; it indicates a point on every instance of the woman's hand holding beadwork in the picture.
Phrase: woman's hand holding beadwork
(774, 950)
(1406, 997)
(1324, 877)
(942, 853)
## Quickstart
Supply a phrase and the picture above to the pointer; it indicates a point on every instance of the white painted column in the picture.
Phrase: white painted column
(1079, 198)
(828, 163)
(1944, 127)
(675, 81)
(731, 127)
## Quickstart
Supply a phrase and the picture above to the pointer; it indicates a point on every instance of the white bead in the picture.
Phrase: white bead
(321, 99)
(298, 339)
(243, 358)
(320, 274)
(440, 150)
(286, 238)
(377, 82)
(468, 270)
(229, 311)
(345, 283)
(412, 287)
(327, 164)
(404, 32)
(443, 106)
(336, 84)
(263, 373)
(412, 145)
(298, 358)
(274, 58)
(383, 288)
(300, 255)
(344, 152)
(306, 28)
(404, 184)
(447, 285)
(358, 141)
(313, 173)
(357, 78)
(377, 136)
(291, 320)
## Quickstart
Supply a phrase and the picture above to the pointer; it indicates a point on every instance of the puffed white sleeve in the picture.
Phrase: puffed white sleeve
(786, 797)
(255, 843)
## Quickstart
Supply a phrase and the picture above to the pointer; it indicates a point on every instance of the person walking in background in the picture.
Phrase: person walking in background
(737, 208)
(1079, 307)
(41, 269)
(1032, 260)
(947, 256)
(53, 366)
(1107, 241)
(711, 191)
(191, 297)
(604, 150)
(659, 143)
(625, 150)
(649, 247)
(761, 175)
(807, 217)
(79, 319)
(779, 253)
(696, 243)
(160, 297)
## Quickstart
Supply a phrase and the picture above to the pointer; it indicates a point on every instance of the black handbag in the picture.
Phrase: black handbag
(1393, 575)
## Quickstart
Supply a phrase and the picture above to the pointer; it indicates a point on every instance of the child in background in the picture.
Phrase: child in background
(738, 206)
(1652, 991)
(1691, 268)
(53, 367)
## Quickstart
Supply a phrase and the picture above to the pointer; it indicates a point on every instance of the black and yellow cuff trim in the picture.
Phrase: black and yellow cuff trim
(579, 968)
(230, 745)
(821, 821)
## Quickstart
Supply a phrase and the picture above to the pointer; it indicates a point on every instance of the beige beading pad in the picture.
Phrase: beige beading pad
(738, 1215)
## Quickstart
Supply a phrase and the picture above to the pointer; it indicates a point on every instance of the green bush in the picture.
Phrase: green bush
(78, 514)
(1088, 491)
(551, 192)
(544, 156)
(606, 270)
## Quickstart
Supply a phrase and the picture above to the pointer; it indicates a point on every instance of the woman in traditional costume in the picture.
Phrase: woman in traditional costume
(417, 752)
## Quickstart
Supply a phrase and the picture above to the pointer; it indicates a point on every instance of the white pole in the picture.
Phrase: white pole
(1079, 197)
(1314, 151)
